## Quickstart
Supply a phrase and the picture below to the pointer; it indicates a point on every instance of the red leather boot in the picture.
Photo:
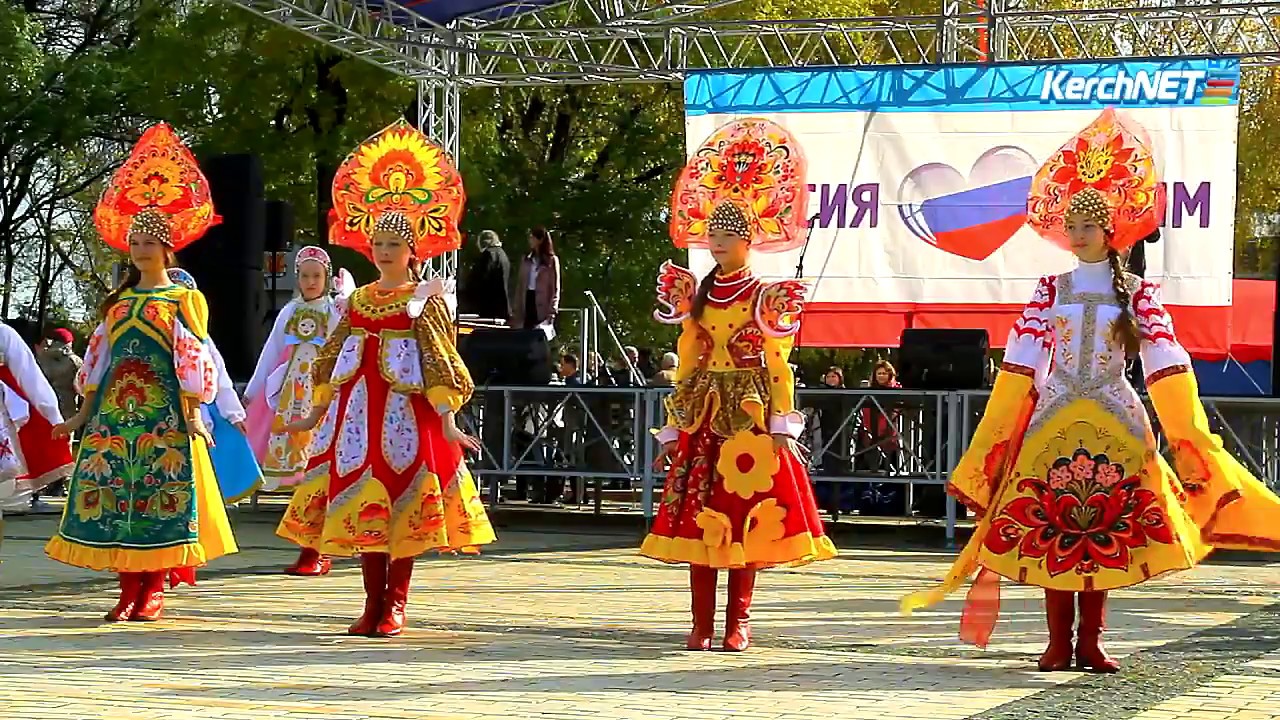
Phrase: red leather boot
(395, 598)
(151, 605)
(737, 615)
(310, 563)
(1060, 611)
(702, 594)
(373, 568)
(1090, 655)
(130, 594)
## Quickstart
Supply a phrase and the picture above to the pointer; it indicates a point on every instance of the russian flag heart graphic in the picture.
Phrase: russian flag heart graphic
(969, 216)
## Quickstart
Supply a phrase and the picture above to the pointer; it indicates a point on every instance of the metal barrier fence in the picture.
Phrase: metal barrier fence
(879, 452)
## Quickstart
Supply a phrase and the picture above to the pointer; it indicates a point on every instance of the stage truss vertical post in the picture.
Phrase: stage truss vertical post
(440, 114)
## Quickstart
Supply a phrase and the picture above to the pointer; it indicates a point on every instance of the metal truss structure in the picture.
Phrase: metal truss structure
(525, 43)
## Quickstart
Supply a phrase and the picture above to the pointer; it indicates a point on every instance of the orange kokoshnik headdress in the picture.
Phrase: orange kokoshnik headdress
(1107, 173)
(398, 181)
(749, 178)
(159, 190)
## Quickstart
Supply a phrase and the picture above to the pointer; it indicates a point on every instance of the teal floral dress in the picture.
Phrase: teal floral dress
(143, 496)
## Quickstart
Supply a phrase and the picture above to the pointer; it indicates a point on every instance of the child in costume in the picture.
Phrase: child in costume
(387, 480)
(280, 390)
(143, 501)
(1064, 470)
(30, 457)
(738, 496)
(233, 462)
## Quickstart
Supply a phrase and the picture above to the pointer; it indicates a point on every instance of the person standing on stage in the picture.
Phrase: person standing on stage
(737, 496)
(281, 391)
(30, 457)
(486, 292)
(387, 479)
(1064, 471)
(143, 501)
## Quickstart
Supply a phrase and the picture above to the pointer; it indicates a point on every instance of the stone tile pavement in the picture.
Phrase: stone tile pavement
(572, 626)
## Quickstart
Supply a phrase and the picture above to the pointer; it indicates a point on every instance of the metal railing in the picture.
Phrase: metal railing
(557, 444)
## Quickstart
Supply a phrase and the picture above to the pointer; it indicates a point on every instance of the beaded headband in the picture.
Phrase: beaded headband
(153, 223)
(1091, 204)
(311, 253)
(396, 224)
(728, 217)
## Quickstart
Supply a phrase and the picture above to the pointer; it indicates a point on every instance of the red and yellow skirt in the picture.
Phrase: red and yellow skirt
(736, 503)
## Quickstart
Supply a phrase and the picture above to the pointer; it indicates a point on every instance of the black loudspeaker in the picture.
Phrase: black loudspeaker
(280, 226)
(943, 359)
(506, 357)
(227, 262)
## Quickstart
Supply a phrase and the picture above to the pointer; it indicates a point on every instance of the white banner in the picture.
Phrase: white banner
(919, 177)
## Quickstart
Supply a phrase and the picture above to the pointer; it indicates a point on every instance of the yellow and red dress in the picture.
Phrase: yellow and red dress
(1064, 470)
(731, 500)
(382, 478)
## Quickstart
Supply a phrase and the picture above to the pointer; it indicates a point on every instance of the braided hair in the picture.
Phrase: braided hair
(1126, 328)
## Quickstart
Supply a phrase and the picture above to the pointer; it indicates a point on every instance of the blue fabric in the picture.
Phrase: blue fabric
(1231, 379)
(238, 473)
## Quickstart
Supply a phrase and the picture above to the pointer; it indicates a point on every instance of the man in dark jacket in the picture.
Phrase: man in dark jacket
(485, 292)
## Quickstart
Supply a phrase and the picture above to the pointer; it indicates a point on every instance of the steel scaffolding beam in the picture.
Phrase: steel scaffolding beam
(598, 41)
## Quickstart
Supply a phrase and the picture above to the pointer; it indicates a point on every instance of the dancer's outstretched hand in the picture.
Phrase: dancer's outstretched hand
(664, 453)
(66, 429)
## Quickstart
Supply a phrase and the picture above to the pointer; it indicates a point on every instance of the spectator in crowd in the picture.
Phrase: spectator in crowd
(879, 445)
(486, 291)
(537, 293)
(645, 364)
(666, 377)
(569, 370)
(834, 456)
(59, 363)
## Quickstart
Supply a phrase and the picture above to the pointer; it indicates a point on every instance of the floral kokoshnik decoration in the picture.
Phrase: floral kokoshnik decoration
(400, 171)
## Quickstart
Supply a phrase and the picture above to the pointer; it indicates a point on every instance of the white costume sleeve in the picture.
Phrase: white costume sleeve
(229, 406)
(31, 381)
(271, 352)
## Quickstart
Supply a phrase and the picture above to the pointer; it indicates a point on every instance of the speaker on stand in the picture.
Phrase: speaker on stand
(227, 262)
(940, 359)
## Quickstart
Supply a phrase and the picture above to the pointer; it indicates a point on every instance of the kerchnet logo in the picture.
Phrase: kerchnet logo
(1160, 87)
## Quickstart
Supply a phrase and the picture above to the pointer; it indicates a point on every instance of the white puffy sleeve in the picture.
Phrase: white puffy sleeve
(95, 362)
(26, 372)
(1160, 350)
(272, 352)
(1030, 346)
(229, 406)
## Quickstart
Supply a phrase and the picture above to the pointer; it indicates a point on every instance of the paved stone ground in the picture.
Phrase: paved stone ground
(572, 626)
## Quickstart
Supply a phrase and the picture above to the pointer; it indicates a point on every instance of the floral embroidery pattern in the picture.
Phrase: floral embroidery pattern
(748, 463)
(134, 479)
(1192, 466)
(1086, 515)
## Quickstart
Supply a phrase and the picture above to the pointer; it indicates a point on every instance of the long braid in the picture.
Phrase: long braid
(1126, 329)
(704, 291)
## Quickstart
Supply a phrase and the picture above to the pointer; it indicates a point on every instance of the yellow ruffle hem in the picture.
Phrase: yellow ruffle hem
(214, 537)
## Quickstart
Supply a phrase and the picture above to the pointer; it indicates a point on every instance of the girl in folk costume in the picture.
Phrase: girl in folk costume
(281, 391)
(386, 479)
(737, 496)
(1064, 470)
(143, 500)
(30, 457)
(233, 462)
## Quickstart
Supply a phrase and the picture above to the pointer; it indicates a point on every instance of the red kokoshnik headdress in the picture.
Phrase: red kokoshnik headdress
(159, 190)
(1107, 172)
(758, 167)
(399, 181)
